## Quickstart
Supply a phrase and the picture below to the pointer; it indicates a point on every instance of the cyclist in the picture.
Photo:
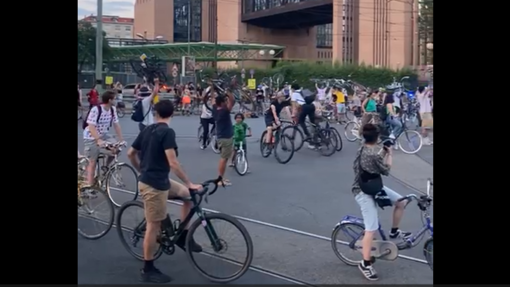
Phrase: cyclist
(369, 108)
(158, 152)
(308, 110)
(99, 120)
(370, 163)
(272, 116)
(296, 100)
(148, 99)
(392, 118)
(240, 132)
(206, 119)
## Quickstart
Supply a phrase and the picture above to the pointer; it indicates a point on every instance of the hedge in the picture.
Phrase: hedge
(302, 72)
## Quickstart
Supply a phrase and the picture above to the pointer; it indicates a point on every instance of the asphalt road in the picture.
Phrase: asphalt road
(291, 211)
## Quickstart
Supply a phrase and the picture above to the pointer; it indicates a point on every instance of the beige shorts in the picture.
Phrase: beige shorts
(226, 147)
(427, 121)
(154, 200)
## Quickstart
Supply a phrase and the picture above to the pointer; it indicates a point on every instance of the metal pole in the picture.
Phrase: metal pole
(189, 27)
(99, 46)
(216, 36)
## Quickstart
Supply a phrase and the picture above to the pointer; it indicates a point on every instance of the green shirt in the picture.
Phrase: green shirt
(240, 132)
(371, 106)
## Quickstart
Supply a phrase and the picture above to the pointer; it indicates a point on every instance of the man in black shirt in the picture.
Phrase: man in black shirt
(224, 130)
(157, 149)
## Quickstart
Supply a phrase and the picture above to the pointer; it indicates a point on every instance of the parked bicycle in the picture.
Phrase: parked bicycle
(354, 229)
(95, 210)
(172, 231)
(105, 173)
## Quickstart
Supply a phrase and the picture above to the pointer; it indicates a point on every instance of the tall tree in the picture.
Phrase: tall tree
(87, 45)
(426, 28)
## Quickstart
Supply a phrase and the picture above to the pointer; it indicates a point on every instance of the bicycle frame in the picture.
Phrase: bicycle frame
(98, 177)
(167, 224)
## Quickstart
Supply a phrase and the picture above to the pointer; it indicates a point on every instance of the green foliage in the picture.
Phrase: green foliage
(87, 44)
(302, 72)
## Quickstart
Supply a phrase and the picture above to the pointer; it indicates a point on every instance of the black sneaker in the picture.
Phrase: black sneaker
(181, 242)
(400, 234)
(154, 276)
(368, 271)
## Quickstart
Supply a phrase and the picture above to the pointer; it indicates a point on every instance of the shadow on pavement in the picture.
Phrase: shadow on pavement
(105, 261)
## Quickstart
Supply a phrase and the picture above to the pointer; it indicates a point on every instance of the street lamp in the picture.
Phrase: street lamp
(263, 52)
(430, 46)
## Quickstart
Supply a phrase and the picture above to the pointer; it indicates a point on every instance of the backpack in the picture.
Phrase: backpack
(138, 115)
(99, 111)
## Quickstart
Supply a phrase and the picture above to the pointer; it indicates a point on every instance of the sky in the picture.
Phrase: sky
(123, 8)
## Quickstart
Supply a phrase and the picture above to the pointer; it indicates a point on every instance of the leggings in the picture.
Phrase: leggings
(205, 125)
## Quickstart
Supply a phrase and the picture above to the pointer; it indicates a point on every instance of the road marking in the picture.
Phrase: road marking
(252, 267)
(279, 227)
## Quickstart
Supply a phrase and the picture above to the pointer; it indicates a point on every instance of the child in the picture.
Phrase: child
(186, 102)
(240, 129)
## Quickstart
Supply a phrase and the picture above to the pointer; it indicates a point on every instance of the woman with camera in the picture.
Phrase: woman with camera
(370, 165)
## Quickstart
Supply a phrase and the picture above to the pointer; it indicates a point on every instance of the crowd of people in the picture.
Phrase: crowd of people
(154, 152)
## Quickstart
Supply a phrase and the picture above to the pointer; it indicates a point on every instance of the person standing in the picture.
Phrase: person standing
(224, 131)
(423, 95)
(157, 149)
(206, 119)
(148, 101)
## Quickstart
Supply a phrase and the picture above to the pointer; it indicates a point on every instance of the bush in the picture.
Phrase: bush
(302, 72)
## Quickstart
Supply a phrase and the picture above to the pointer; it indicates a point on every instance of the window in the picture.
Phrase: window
(117, 28)
(181, 15)
(128, 28)
(325, 36)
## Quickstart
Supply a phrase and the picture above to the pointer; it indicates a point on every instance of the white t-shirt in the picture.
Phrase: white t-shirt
(424, 101)
(321, 94)
(146, 108)
(103, 124)
(297, 97)
(396, 99)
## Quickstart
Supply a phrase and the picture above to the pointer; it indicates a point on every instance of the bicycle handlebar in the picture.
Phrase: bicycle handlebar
(116, 145)
(423, 200)
(205, 191)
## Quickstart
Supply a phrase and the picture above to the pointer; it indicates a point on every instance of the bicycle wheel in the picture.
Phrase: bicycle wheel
(296, 135)
(240, 163)
(287, 152)
(428, 249)
(131, 229)
(328, 142)
(339, 142)
(410, 142)
(263, 145)
(200, 132)
(351, 131)
(137, 67)
(101, 215)
(278, 79)
(351, 231)
(120, 113)
(214, 144)
(124, 187)
(266, 81)
(349, 115)
(231, 267)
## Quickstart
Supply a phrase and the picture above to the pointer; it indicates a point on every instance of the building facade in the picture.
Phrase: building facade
(373, 32)
(114, 26)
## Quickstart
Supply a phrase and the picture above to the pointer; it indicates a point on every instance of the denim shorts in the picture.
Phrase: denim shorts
(369, 208)
(340, 108)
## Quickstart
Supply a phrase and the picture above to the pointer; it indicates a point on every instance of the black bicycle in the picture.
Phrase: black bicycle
(278, 139)
(171, 231)
(149, 68)
(334, 131)
(322, 139)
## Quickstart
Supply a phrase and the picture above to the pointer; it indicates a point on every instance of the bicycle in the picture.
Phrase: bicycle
(172, 231)
(104, 173)
(210, 139)
(277, 138)
(276, 78)
(240, 162)
(385, 249)
(86, 196)
(339, 143)
(149, 68)
(322, 137)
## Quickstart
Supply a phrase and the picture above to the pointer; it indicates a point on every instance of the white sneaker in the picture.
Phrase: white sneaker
(395, 146)
(311, 146)
(392, 136)
(427, 141)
